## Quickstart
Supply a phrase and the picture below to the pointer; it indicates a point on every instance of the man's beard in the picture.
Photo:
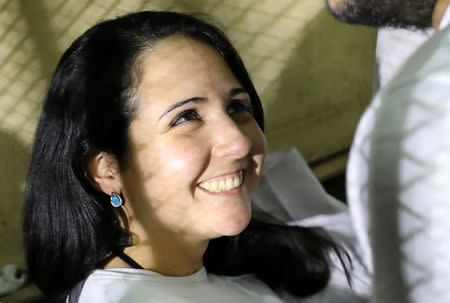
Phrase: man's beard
(386, 13)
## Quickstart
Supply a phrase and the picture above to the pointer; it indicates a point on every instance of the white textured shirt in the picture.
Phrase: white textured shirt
(394, 47)
(398, 178)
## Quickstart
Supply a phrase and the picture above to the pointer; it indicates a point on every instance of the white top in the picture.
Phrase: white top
(398, 178)
(394, 47)
(138, 285)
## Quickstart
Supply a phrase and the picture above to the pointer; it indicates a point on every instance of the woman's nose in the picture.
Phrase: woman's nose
(231, 141)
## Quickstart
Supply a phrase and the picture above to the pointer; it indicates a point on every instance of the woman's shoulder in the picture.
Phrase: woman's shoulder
(98, 282)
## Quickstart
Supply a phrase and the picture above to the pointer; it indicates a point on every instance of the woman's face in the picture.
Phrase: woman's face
(196, 152)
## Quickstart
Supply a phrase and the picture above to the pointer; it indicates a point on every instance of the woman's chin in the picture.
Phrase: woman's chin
(234, 226)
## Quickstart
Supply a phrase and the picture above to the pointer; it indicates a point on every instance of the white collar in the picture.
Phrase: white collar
(445, 19)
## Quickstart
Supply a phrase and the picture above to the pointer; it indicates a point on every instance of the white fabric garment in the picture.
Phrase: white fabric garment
(398, 179)
(295, 184)
(129, 285)
(394, 47)
(12, 279)
(288, 189)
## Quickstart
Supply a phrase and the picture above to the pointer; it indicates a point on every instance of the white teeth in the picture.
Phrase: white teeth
(236, 182)
(223, 185)
(229, 184)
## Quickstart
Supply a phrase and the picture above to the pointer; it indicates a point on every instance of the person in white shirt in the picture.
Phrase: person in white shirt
(398, 172)
(148, 150)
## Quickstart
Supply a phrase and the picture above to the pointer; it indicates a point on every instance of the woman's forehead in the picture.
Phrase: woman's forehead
(178, 67)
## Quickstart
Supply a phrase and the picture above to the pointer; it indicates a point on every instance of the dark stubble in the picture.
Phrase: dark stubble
(386, 13)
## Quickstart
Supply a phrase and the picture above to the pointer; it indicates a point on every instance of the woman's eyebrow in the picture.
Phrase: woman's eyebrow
(237, 91)
(181, 103)
(231, 94)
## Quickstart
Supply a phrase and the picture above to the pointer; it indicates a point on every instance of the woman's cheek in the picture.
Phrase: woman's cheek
(182, 160)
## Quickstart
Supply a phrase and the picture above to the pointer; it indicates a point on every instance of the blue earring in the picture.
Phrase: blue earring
(116, 200)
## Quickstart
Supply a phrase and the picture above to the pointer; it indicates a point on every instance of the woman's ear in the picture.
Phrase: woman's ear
(103, 170)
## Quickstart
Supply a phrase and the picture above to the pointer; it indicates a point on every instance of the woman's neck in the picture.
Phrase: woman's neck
(164, 252)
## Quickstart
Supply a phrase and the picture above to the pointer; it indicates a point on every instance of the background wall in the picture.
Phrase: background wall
(313, 74)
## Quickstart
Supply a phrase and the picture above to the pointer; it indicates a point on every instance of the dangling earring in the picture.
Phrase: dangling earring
(116, 200)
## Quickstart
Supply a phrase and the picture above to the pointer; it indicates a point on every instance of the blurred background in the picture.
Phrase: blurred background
(313, 74)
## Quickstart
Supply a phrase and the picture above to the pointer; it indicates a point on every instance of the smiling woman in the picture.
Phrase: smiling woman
(155, 113)
(198, 148)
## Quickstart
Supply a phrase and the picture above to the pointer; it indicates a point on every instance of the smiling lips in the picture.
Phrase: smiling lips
(223, 184)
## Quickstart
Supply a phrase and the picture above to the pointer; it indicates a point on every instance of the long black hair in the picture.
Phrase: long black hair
(70, 227)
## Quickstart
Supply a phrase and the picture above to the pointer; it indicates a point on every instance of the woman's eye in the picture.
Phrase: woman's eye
(239, 106)
(185, 116)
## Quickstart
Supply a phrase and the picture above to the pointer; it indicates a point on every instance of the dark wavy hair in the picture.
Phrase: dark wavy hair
(70, 228)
